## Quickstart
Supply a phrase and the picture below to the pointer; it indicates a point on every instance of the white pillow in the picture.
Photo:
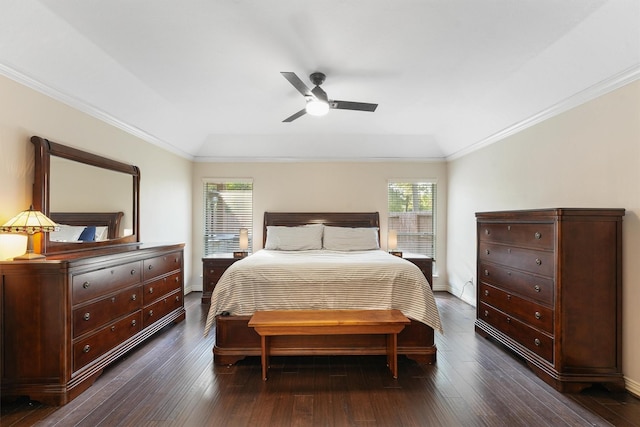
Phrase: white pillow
(350, 239)
(301, 238)
(66, 233)
(102, 233)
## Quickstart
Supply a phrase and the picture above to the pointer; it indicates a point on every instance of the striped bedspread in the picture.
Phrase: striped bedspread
(322, 279)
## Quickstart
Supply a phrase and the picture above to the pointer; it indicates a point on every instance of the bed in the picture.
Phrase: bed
(347, 270)
(106, 225)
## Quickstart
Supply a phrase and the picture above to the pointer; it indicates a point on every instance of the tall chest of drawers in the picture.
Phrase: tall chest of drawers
(550, 289)
(66, 318)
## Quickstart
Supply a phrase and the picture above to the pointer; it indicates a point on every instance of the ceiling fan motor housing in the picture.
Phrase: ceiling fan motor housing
(317, 78)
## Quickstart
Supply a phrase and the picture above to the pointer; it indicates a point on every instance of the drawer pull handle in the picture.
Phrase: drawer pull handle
(538, 261)
(150, 266)
(113, 299)
(87, 316)
(86, 285)
(177, 279)
(486, 313)
(211, 271)
(133, 271)
(113, 329)
(508, 297)
(538, 315)
(487, 251)
(151, 290)
(177, 260)
(133, 322)
(538, 235)
(133, 297)
(86, 348)
(486, 231)
(150, 313)
(508, 273)
(486, 292)
(508, 319)
(177, 299)
(536, 288)
(486, 272)
(537, 342)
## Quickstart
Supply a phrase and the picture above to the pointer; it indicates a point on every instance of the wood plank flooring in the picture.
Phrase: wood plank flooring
(171, 381)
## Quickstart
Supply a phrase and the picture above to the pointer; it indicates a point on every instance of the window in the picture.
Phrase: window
(412, 207)
(228, 207)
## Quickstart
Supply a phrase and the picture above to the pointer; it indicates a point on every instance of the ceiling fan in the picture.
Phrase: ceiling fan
(318, 103)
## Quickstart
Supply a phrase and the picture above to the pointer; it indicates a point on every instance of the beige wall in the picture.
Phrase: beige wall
(321, 187)
(586, 157)
(165, 202)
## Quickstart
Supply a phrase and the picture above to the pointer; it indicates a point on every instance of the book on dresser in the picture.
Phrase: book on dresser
(65, 318)
(550, 289)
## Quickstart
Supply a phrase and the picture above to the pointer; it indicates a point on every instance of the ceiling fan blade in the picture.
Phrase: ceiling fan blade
(295, 116)
(297, 83)
(348, 105)
(320, 94)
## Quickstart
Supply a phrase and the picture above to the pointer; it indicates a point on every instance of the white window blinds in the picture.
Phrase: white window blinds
(412, 207)
(228, 207)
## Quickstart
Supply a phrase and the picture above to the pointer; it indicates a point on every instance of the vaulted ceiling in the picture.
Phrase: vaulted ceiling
(202, 77)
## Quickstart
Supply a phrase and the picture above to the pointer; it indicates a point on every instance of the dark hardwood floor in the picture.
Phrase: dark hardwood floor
(171, 381)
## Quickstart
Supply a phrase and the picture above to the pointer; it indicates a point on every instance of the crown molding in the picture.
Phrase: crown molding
(88, 109)
(614, 82)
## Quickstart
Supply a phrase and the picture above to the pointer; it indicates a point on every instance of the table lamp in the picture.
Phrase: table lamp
(29, 222)
(392, 243)
(243, 243)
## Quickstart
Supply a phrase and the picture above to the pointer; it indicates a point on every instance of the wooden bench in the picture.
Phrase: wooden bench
(329, 322)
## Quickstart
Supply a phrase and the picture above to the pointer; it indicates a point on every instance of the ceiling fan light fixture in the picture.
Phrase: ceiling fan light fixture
(317, 107)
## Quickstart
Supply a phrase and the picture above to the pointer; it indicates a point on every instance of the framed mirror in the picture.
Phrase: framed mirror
(85, 192)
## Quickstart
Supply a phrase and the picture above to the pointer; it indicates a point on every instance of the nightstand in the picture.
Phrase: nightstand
(424, 263)
(213, 267)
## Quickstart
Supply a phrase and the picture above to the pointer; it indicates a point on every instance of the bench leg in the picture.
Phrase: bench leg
(264, 353)
(392, 354)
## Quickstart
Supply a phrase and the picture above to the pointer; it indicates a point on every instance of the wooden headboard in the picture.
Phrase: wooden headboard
(99, 219)
(336, 219)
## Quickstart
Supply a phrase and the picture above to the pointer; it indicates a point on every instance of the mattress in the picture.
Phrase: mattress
(324, 280)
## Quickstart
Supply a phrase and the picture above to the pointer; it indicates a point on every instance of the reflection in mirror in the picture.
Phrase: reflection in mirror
(99, 190)
(87, 191)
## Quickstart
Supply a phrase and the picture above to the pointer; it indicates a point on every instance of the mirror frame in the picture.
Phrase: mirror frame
(43, 150)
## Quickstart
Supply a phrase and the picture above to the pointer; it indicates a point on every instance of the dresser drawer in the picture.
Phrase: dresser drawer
(162, 307)
(94, 284)
(90, 348)
(536, 341)
(530, 260)
(154, 267)
(529, 312)
(158, 288)
(539, 289)
(96, 314)
(540, 236)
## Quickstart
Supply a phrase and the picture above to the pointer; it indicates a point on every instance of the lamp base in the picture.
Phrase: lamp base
(396, 253)
(239, 254)
(29, 256)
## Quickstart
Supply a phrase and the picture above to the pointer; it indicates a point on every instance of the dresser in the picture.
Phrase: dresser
(550, 290)
(66, 318)
(213, 267)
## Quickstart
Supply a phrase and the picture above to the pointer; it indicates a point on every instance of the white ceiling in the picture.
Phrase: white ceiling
(202, 77)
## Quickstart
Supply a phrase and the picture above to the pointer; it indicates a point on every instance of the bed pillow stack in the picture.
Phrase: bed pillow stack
(318, 236)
